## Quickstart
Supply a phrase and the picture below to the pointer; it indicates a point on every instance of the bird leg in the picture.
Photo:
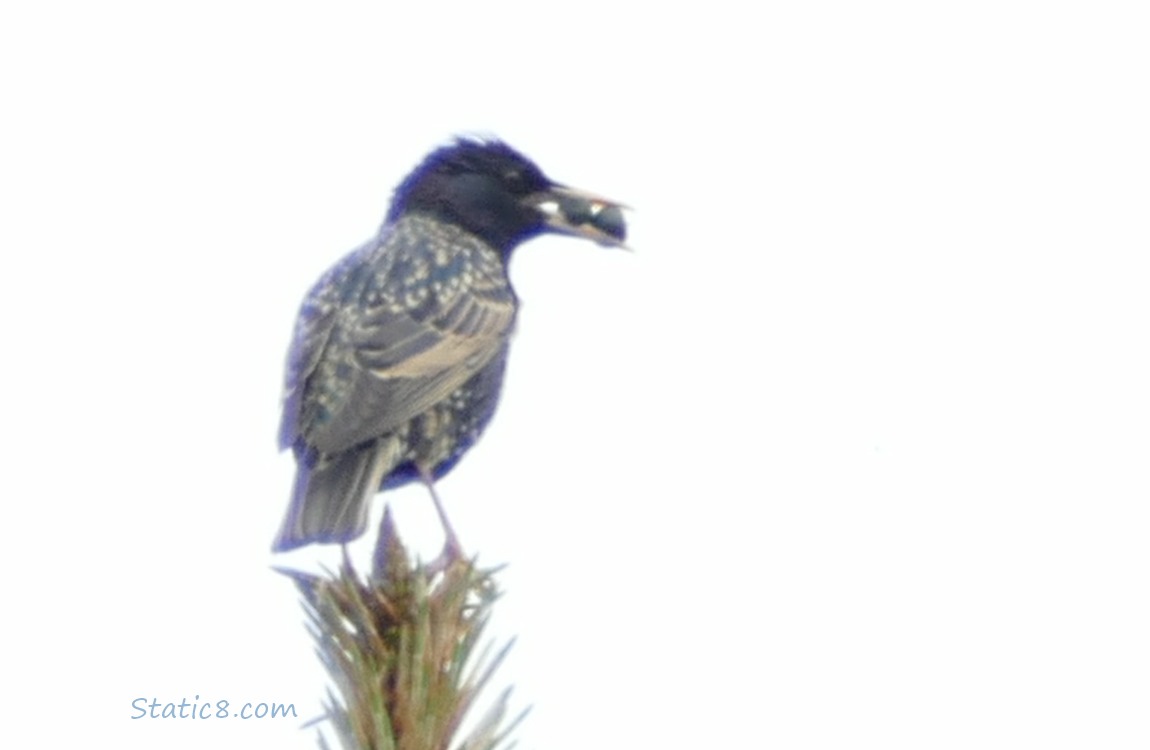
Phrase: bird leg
(452, 550)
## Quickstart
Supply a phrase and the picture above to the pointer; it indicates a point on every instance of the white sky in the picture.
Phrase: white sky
(851, 452)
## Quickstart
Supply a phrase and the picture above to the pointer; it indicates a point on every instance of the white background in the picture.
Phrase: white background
(851, 452)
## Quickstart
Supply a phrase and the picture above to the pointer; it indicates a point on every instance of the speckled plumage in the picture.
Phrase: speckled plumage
(399, 350)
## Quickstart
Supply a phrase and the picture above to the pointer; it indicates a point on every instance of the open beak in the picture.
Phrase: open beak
(582, 214)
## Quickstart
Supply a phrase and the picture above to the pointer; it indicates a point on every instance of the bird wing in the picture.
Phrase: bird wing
(378, 360)
(414, 364)
(313, 328)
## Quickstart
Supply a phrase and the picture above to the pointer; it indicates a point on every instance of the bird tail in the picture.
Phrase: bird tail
(330, 500)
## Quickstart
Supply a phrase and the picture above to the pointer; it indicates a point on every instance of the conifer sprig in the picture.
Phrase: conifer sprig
(402, 648)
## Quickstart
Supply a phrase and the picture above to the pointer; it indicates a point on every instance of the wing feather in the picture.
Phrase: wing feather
(387, 351)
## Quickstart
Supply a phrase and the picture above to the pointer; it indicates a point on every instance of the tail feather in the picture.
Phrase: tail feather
(330, 500)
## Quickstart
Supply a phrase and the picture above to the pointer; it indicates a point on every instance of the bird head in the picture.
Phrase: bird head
(496, 193)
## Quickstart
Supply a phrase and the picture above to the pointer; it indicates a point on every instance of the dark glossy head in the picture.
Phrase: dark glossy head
(496, 193)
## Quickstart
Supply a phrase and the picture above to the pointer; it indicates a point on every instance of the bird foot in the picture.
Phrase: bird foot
(451, 554)
(452, 550)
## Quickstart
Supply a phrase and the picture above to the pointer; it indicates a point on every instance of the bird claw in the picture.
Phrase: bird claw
(452, 550)
(451, 554)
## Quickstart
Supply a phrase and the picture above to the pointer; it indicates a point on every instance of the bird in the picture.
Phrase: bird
(398, 352)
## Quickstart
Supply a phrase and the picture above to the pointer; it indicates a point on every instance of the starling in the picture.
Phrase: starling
(398, 353)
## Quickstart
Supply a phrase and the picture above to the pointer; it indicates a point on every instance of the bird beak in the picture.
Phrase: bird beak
(575, 212)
